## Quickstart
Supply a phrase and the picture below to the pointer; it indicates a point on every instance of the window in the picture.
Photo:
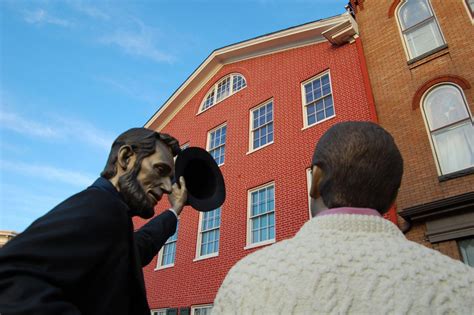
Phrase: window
(467, 251)
(261, 126)
(159, 312)
(262, 215)
(227, 86)
(209, 233)
(420, 29)
(451, 128)
(318, 103)
(167, 254)
(201, 310)
(216, 143)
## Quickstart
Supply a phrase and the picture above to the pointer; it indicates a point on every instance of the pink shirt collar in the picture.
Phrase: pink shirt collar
(348, 210)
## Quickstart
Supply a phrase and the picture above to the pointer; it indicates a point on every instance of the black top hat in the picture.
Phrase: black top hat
(204, 180)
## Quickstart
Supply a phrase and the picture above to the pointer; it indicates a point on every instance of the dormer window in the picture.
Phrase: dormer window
(227, 86)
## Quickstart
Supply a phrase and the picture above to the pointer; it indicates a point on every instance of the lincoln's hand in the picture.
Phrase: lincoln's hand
(178, 196)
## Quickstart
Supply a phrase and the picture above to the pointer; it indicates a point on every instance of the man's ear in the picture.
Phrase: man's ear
(317, 176)
(125, 158)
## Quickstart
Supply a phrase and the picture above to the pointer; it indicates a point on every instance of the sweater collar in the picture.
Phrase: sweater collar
(349, 210)
(349, 223)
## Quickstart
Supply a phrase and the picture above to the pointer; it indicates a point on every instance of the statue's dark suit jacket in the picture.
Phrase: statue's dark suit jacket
(82, 257)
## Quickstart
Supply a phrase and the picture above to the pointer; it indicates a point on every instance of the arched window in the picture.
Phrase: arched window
(451, 128)
(420, 29)
(226, 86)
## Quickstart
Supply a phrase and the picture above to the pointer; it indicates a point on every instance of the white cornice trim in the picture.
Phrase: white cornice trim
(291, 38)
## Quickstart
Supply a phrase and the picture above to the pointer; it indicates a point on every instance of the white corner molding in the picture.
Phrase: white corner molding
(342, 33)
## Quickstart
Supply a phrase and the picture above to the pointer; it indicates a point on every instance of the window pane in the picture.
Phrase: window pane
(423, 39)
(255, 224)
(467, 251)
(413, 12)
(320, 116)
(311, 119)
(262, 132)
(325, 79)
(444, 105)
(217, 144)
(223, 89)
(329, 111)
(209, 100)
(319, 105)
(326, 89)
(455, 147)
(264, 234)
(239, 83)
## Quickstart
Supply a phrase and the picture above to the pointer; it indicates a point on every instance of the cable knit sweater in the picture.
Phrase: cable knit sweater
(347, 264)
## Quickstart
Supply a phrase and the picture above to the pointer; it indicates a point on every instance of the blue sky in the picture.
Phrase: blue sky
(75, 74)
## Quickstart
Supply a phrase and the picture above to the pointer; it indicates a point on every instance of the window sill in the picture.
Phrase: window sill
(319, 122)
(267, 242)
(206, 256)
(164, 267)
(461, 173)
(259, 148)
(428, 56)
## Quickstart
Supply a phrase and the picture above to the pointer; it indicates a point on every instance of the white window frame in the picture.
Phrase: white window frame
(309, 180)
(198, 307)
(249, 243)
(159, 264)
(402, 31)
(199, 239)
(470, 12)
(214, 89)
(160, 311)
(251, 128)
(304, 104)
(425, 119)
(208, 141)
(185, 145)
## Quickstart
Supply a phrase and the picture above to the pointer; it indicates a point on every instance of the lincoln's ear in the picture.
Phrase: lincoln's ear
(125, 157)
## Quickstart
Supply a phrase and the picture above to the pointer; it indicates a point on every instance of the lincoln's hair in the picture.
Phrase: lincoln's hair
(361, 164)
(143, 142)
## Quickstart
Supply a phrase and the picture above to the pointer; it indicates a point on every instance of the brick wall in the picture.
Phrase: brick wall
(277, 76)
(395, 84)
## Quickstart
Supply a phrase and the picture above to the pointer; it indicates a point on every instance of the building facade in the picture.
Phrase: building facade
(259, 107)
(420, 60)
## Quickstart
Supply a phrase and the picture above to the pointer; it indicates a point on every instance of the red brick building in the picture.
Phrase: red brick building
(420, 60)
(259, 107)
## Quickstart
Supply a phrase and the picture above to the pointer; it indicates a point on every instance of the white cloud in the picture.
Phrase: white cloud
(41, 16)
(56, 128)
(89, 10)
(132, 88)
(25, 126)
(141, 42)
(47, 172)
